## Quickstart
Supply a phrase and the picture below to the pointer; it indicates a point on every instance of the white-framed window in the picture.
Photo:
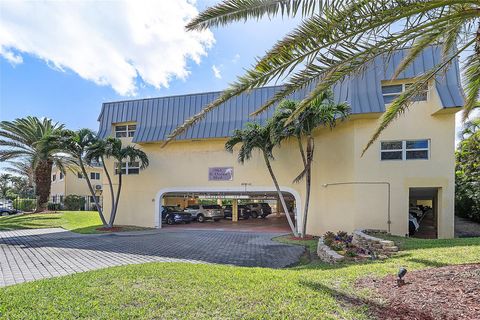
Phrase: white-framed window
(61, 176)
(95, 175)
(125, 130)
(391, 91)
(405, 150)
(128, 167)
(54, 177)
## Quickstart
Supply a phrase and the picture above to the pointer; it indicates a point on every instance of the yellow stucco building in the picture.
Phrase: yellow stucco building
(411, 163)
(72, 182)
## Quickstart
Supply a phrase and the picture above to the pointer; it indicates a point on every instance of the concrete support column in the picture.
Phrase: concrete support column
(234, 210)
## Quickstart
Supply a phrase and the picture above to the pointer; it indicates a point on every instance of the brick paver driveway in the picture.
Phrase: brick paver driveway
(27, 255)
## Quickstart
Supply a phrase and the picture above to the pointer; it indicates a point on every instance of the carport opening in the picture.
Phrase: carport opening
(249, 211)
(423, 213)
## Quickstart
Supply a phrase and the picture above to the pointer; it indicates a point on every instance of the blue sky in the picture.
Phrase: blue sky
(40, 88)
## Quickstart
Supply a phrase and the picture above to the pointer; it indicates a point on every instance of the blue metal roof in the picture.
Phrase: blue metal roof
(157, 117)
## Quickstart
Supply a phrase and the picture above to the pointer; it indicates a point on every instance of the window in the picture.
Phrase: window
(95, 175)
(405, 150)
(124, 131)
(80, 175)
(54, 177)
(61, 176)
(128, 167)
(391, 92)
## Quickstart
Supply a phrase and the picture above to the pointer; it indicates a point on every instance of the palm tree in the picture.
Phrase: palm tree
(112, 148)
(322, 112)
(36, 140)
(255, 136)
(76, 143)
(23, 167)
(338, 38)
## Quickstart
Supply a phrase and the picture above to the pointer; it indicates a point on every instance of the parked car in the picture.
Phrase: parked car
(7, 211)
(412, 224)
(244, 212)
(173, 214)
(6, 204)
(203, 212)
(259, 209)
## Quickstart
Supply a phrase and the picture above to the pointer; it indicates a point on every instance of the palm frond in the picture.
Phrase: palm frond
(400, 104)
(241, 10)
(472, 86)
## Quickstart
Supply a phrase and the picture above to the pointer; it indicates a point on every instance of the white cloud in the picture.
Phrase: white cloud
(111, 43)
(216, 72)
(236, 57)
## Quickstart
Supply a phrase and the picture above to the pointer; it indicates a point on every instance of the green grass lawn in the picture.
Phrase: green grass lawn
(76, 221)
(187, 291)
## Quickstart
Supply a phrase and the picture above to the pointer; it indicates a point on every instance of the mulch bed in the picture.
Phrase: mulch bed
(451, 292)
(307, 237)
(113, 229)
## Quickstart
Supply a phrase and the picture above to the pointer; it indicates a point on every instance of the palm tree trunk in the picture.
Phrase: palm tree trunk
(308, 182)
(302, 152)
(99, 208)
(280, 195)
(43, 181)
(114, 209)
(110, 183)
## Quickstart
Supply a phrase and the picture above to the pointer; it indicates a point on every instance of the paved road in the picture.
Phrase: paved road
(27, 255)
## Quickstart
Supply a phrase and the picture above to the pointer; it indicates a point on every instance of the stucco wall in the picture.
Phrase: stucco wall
(337, 159)
(71, 184)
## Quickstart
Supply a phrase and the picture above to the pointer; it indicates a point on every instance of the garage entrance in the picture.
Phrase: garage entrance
(240, 209)
(423, 213)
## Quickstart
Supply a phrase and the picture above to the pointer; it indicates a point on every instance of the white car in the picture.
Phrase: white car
(203, 212)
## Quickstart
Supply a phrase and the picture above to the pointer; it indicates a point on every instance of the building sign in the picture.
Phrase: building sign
(224, 196)
(220, 174)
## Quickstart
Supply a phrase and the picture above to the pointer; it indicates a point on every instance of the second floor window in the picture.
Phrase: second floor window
(54, 177)
(61, 176)
(129, 167)
(126, 130)
(95, 175)
(391, 92)
(80, 175)
(405, 150)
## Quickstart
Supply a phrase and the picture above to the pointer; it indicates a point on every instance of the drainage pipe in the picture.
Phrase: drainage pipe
(389, 222)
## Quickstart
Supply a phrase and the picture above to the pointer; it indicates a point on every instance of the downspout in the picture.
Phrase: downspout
(389, 222)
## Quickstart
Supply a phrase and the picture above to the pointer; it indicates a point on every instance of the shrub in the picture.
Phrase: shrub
(74, 203)
(328, 238)
(24, 204)
(54, 206)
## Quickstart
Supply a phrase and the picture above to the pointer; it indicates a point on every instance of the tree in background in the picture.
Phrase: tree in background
(112, 148)
(467, 175)
(4, 185)
(38, 141)
(24, 168)
(337, 38)
(257, 137)
(322, 112)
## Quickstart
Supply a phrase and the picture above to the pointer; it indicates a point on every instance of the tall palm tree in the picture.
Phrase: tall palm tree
(112, 148)
(322, 112)
(76, 143)
(36, 140)
(253, 137)
(336, 38)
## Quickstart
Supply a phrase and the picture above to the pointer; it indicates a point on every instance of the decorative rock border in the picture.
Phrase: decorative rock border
(326, 254)
(381, 248)
(376, 245)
